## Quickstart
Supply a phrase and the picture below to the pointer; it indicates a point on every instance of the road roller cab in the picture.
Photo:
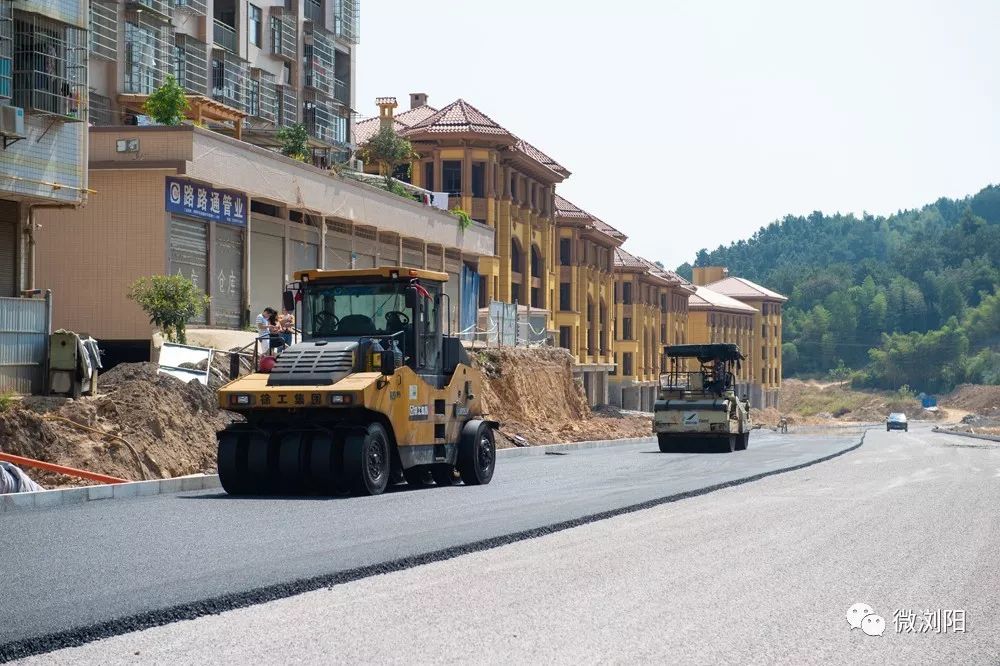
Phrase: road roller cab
(697, 408)
(376, 391)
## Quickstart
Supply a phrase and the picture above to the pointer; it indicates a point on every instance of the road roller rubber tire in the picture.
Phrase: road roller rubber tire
(232, 462)
(477, 453)
(367, 460)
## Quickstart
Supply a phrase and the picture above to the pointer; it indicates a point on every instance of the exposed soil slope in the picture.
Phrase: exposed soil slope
(533, 394)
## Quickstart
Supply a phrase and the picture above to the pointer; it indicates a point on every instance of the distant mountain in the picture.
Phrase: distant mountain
(904, 299)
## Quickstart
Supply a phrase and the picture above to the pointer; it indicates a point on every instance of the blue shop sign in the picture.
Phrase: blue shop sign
(187, 198)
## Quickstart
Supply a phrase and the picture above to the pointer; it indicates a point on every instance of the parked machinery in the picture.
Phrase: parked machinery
(73, 364)
(374, 392)
(697, 408)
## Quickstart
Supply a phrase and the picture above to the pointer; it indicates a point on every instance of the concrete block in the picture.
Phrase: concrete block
(192, 483)
(47, 498)
(123, 490)
(95, 493)
(147, 488)
(170, 486)
(21, 500)
(74, 495)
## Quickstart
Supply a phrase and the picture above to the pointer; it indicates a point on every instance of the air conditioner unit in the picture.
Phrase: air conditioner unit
(12, 122)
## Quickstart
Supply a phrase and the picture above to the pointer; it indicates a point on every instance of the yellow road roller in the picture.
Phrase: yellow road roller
(375, 393)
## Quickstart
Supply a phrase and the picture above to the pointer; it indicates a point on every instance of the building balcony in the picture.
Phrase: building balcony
(224, 36)
(196, 7)
(342, 92)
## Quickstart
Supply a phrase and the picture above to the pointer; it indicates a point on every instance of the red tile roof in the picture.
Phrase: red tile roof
(459, 117)
(741, 288)
(565, 208)
(367, 128)
(568, 209)
(540, 157)
(707, 299)
(626, 260)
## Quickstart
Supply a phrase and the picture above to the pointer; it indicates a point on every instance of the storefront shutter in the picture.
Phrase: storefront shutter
(227, 287)
(189, 254)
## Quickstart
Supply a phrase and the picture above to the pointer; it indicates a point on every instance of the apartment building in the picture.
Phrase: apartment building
(248, 68)
(584, 308)
(651, 311)
(501, 180)
(43, 134)
(765, 349)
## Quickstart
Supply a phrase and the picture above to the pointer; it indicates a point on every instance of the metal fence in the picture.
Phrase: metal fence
(508, 325)
(25, 325)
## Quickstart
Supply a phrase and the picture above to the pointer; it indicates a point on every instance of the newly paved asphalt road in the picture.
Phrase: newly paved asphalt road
(758, 573)
(75, 567)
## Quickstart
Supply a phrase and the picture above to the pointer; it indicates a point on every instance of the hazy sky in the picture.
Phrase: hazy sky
(690, 124)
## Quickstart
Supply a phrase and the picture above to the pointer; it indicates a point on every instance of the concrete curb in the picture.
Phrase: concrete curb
(45, 499)
(987, 438)
(543, 449)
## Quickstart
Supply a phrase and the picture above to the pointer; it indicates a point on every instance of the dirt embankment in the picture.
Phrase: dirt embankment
(533, 394)
(979, 407)
(814, 403)
(142, 424)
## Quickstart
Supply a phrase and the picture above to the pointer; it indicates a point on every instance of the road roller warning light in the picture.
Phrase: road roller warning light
(376, 392)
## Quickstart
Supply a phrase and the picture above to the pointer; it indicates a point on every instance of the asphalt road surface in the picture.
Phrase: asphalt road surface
(763, 572)
(101, 569)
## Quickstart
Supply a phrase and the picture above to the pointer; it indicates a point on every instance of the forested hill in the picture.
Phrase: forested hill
(922, 277)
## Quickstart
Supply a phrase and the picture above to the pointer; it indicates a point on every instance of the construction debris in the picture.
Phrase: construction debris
(142, 425)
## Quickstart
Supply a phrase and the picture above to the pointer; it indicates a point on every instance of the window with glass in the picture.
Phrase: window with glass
(479, 179)
(565, 251)
(255, 26)
(451, 176)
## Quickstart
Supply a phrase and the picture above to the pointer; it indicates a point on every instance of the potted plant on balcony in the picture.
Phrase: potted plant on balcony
(167, 104)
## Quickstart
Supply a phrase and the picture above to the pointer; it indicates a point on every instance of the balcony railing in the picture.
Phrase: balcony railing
(161, 7)
(191, 64)
(50, 67)
(314, 12)
(284, 40)
(100, 113)
(342, 92)
(6, 50)
(288, 105)
(104, 29)
(197, 7)
(230, 80)
(224, 36)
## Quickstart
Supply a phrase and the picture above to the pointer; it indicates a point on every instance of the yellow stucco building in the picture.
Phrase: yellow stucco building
(496, 177)
(713, 317)
(764, 348)
(651, 311)
(583, 308)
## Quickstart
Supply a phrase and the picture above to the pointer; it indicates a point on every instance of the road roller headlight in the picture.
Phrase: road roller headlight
(340, 399)
(240, 400)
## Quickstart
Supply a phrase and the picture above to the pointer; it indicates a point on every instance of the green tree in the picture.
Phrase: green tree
(171, 301)
(294, 142)
(167, 104)
(388, 150)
